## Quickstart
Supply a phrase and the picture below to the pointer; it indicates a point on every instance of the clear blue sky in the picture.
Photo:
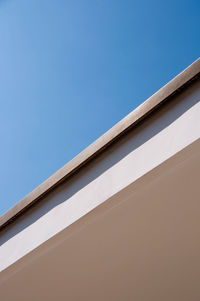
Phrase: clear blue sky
(70, 70)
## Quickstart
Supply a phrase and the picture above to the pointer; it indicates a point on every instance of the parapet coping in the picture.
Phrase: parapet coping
(141, 112)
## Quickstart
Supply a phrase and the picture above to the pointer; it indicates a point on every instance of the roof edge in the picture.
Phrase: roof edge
(142, 111)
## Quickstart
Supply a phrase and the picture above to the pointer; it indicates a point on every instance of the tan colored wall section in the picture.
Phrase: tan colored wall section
(143, 244)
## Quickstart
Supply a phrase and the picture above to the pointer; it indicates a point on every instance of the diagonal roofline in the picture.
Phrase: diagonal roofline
(165, 93)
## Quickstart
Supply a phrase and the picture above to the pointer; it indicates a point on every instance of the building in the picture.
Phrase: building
(121, 221)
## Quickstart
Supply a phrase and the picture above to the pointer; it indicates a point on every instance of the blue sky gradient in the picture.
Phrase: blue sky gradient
(70, 70)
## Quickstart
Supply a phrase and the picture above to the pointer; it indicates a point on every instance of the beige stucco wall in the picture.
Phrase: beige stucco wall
(142, 244)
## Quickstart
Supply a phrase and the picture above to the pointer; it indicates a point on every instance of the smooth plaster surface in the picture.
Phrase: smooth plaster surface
(173, 127)
(143, 244)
